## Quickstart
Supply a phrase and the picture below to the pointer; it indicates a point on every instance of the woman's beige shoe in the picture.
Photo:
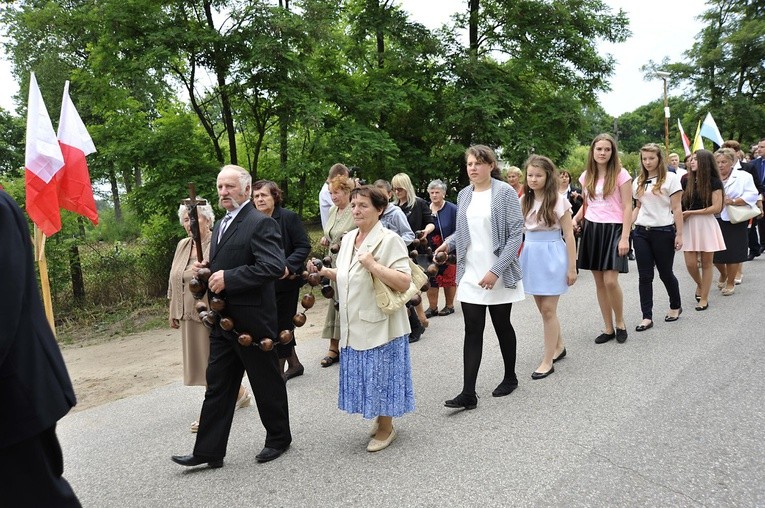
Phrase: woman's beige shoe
(728, 291)
(375, 445)
(245, 400)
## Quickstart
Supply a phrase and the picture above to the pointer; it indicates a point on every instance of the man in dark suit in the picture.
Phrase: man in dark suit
(35, 390)
(246, 258)
(758, 164)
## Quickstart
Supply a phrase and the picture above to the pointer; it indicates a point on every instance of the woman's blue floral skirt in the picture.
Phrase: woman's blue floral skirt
(378, 381)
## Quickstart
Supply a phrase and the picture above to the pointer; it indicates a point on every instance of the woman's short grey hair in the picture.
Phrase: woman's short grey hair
(205, 211)
(437, 184)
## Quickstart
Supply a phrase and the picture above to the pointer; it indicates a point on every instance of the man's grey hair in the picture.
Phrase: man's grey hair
(245, 178)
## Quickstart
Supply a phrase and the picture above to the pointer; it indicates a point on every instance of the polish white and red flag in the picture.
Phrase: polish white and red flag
(75, 192)
(42, 160)
(684, 138)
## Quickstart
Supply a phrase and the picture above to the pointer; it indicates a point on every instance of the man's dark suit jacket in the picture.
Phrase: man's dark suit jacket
(752, 170)
(35, 389)
(251, 254)
(758, 173)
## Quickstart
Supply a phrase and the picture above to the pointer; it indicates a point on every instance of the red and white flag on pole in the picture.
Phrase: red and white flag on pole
(75, 192)
(43, 160)
(686, 140)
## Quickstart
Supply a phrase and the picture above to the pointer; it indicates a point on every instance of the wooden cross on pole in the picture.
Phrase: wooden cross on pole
(191, 206)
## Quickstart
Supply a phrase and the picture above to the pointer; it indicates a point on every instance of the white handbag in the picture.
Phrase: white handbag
(742, 213)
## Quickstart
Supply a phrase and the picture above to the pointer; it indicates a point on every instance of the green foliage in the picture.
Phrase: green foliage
(576, 161)
(171, 165)
(111, 231)
(11, 143)
(724, 70)
(159, 234)
(630, 161)
(287, 92)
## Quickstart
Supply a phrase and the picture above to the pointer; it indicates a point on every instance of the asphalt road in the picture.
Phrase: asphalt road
(673, 417)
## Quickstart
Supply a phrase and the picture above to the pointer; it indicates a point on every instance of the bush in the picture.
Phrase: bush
(159, 237)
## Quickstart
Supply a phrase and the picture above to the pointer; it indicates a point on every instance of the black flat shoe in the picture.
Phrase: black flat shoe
(561, 356)
(191, 461)
(702, 307)
(462, 401)
(621, 335)
(268, 454)
(604, 337)
(294, 373)
(542, 375)
(670, 319)
(697, 297)
(642, 328)
(505, 388)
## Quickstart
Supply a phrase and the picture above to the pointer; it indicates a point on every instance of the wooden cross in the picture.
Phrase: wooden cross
(191, 206)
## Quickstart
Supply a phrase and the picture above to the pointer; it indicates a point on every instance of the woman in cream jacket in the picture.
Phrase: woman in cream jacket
(375, 370)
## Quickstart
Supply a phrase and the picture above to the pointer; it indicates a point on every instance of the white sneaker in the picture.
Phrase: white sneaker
(245, 400)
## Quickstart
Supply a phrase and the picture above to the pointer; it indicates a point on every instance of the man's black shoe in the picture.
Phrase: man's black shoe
(268, 454)
(191, 460)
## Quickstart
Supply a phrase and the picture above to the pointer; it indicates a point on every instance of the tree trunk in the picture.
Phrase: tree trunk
(138, 177)
(127, 180)
(473, 28)
(221, 71)
(115, 195)
(75, 270)
(283, 128)
(383, 118)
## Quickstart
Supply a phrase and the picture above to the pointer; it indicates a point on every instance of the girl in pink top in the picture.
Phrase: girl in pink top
(605, 221)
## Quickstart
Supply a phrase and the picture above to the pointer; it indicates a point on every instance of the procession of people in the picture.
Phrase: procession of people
(498, 243)
(527, 232)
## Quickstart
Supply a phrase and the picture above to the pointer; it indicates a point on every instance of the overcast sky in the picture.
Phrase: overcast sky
(660, 28)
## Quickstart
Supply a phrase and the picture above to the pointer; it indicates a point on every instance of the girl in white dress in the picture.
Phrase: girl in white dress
(487, 238)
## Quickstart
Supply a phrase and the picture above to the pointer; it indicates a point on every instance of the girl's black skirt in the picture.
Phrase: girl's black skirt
(599, 247)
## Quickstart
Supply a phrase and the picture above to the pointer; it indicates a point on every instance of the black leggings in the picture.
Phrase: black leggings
(475, 322)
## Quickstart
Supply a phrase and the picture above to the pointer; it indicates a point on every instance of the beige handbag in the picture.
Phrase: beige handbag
(742, 213)
(389, 300)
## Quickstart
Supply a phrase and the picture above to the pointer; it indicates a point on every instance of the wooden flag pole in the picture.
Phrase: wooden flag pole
(42, 262)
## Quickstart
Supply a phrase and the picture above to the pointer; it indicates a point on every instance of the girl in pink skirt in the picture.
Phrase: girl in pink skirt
(702, 199)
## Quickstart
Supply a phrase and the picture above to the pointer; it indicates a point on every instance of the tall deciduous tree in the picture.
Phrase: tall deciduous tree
(529, 69)
(725, 68)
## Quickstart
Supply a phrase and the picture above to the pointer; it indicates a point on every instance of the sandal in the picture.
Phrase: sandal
(431, 313)
(446, 311)
(328, 361)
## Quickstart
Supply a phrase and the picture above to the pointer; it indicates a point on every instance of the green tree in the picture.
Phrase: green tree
(725, 68)
(11, 143)
(531, 99)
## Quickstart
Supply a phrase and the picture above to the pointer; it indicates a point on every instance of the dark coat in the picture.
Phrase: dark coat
(35, 389)
(296, 245)
(251, 255)
(418, 215)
